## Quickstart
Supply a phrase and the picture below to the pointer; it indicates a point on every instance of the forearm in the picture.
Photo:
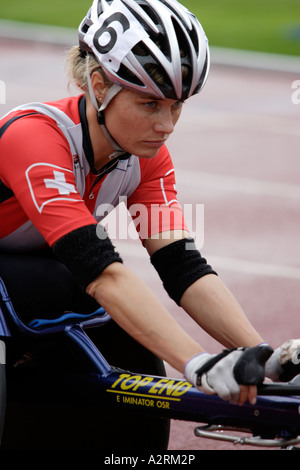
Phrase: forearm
(213, 307)
(133, 306)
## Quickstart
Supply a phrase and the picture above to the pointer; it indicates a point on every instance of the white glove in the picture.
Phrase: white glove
(219, 379)
(222, 373)
(284, 363)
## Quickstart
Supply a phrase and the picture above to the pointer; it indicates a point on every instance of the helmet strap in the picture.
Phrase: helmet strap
(118, 151)
(111, 93)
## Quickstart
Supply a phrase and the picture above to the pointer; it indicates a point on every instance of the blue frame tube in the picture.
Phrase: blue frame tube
(178, 399)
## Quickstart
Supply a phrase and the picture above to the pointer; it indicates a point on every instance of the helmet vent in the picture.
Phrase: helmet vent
(127, 75)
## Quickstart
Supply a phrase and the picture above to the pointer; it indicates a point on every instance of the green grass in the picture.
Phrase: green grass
(261, 25)
(55, 12)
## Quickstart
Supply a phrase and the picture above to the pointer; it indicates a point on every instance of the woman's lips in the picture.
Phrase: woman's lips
(155, 143)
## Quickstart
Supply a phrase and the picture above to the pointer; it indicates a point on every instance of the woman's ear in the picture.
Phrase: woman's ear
(99, 86)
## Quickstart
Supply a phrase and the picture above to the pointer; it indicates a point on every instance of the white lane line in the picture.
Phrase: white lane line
(256, 60)
(136, 251)
(254, 267)
(237, 184)
(254, 121)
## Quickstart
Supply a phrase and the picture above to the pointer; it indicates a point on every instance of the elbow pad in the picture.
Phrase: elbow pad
(179, 265)
(86, 252)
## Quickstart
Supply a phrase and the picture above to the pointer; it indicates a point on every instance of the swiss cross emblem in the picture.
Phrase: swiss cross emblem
(49, 183)
(59, 183)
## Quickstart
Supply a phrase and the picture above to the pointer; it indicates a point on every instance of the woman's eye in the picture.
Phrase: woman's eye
(150, 104)
(178, 104)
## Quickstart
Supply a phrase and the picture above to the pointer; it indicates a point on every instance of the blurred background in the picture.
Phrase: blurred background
(269, 25)
(236, 150)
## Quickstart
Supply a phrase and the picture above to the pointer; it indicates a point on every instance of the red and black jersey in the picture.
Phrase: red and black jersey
(48, 185)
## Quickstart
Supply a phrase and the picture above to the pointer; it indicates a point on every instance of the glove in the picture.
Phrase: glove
(213, 374)
(284, 364)
(222, 373)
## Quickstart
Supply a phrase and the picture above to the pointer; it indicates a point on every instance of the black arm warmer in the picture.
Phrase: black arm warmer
(86, 252)
(179, 265)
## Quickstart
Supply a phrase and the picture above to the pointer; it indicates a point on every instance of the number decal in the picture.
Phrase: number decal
(113, 34)
(106, 28)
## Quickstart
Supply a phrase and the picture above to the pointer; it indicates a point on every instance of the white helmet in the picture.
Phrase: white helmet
(128, 38)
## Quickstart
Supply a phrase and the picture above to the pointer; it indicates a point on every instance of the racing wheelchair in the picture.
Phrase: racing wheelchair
(73, 398)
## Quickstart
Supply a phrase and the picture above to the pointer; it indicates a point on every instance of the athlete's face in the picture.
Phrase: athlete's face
(141, 124)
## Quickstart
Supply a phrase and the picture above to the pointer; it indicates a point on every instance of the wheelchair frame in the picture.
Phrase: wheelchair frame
(273, 422)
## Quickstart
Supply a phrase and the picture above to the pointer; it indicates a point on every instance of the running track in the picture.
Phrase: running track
(236, 150)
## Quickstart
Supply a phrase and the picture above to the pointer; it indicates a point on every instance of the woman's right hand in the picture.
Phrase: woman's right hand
(232, 374)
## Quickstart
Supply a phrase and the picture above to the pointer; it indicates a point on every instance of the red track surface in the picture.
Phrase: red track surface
(236, 149)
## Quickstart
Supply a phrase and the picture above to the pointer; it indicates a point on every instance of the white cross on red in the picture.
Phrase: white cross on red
(59, 183)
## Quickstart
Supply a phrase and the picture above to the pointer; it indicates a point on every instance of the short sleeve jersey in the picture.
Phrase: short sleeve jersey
(46, 167)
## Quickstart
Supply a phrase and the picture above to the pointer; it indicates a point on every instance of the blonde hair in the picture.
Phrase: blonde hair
(76, 67)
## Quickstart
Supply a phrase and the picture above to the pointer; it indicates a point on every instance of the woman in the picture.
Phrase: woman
(137, 62)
